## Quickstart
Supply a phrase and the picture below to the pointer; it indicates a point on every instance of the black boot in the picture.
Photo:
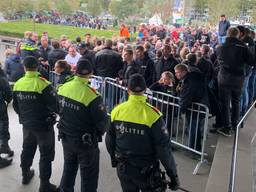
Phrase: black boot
(5, 162)
(5, 149)
(27, 175)
(46, 186)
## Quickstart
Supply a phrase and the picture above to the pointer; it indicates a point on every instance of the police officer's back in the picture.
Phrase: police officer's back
(137, 139)
(83, 120)
(34, 100)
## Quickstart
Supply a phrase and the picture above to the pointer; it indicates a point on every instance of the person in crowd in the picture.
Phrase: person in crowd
(83, 121)
(87, 54)
(63, 40)
(224, 25)
(245, 37)
(78, 41)
(27, 34)
(137, 140)
(72, 57)
(183, 53)
(130, 67)
(233, 56)
(108, 62)
(44, 50)
(13, 67)
(87, 41)
(205, 64)
(62, 71)
(5, 99)
(166, 63)
(166, 84)
(29, 47)
(124, 32)
(191, 88)
(98, 46)
(56, 54)
(34, 100)
(146, 64)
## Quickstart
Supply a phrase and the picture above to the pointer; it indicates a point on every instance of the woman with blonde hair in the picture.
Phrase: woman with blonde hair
(166, 84)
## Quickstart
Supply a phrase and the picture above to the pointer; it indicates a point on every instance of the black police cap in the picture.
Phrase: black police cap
(30, 62)
(84, 67)
(136, 83)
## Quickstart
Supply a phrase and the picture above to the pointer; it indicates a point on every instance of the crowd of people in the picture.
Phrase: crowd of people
(197, 65)
(77, 20)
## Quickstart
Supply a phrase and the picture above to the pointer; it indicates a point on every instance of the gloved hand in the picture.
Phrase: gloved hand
(114, 162)
(175, 183)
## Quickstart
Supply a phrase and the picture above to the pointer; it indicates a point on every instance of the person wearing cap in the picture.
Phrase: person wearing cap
(86, 53)
(83, 120)
(137, 140)
(34, 100)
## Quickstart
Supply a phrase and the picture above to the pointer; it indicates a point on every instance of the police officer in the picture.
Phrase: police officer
(5, 98)
(83, 120)
(137, 139)
(34, 100)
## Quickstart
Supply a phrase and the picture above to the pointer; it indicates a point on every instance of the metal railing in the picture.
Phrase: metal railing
(187, 131)
(232, 177)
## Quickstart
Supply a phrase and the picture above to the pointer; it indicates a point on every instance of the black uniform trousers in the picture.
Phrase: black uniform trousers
(76, 154)
(46, 142)
(131, 179)
(227, 95)
(4, 124)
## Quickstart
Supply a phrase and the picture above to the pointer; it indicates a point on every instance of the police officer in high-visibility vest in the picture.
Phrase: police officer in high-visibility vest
(35, 101)
(137, 139)
(83, 121)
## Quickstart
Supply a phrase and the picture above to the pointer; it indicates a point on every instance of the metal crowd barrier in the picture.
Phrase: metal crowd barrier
(188, 131)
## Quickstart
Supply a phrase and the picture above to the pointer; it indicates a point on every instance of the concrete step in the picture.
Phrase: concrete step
(219, 175)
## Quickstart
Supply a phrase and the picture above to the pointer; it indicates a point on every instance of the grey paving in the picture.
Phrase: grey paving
(220, 170)
(10, 178)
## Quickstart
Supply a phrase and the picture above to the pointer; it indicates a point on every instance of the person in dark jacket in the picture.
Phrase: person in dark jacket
(137, 140)
(108, 62)
(29, 47)
(245, 37)
(205, 64)
(191, 89)
(130, 68)
(56, 54)
(166, 63)
(5, 99)
(146, 64)
(233, 57)
(13, 67)
(62, 71)
(223, 28)
(44, 49)
(86, 53)
(34, 100)
(83, 121)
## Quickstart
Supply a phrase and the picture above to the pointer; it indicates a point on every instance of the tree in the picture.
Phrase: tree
(123, 9)
(161, 7)
(45, 5)
(94, 7)
(217, 7)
